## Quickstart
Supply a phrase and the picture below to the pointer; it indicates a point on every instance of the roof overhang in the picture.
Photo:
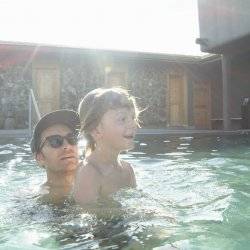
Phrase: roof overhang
(12, 53)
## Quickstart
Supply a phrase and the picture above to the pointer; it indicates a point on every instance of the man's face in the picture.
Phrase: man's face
(61, 159)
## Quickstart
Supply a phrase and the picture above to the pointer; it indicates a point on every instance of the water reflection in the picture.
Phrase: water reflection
(193, 193)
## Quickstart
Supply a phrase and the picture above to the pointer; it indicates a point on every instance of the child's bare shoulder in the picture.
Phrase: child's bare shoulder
(86, 168)
(129, 173)
(127, 168)
(126, 165)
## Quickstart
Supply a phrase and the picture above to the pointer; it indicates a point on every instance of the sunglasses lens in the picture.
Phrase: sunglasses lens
(72, 139)
(55, 141)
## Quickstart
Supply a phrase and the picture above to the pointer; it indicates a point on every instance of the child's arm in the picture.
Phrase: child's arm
(86, 188)
(130, 174)
(132, 177)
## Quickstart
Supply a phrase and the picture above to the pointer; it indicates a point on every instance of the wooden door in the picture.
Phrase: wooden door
(177, 100)
(46, 78)
(116, 79)
(201, 104)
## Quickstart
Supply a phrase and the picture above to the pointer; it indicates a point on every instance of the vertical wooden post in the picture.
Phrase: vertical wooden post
(226, 79)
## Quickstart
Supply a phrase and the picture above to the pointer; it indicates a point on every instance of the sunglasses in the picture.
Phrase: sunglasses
(56, 141)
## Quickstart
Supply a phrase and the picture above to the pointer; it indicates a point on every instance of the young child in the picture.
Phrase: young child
(108, 122)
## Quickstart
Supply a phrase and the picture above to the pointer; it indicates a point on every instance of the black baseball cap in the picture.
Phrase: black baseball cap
(67, 117)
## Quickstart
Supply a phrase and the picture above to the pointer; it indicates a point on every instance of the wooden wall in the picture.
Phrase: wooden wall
(46, 83)
(169, 93)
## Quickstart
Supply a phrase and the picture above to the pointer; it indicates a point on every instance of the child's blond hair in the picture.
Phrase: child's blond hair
(96, 103)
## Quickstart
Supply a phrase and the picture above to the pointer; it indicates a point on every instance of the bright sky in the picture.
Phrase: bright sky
(160, 26)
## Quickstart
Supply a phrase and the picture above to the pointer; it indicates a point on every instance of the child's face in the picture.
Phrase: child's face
(117, 128)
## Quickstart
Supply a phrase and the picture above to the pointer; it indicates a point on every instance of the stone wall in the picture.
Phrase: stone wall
(14, 87)
(148, 82)
(78, 77)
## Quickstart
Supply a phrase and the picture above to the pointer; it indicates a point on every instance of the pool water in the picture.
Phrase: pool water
(193, 193)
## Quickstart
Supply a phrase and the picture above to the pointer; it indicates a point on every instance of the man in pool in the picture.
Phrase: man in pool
(54, 145)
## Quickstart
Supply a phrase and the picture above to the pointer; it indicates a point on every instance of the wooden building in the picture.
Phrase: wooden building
(177, 91)
(225, 30)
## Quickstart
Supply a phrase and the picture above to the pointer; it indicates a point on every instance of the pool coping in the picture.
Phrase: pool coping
(162, 132)
(19, 133)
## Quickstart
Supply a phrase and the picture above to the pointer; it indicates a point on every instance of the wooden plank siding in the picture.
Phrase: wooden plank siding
(116, 79)
(202, 104)
(177, 100)
(46, 80)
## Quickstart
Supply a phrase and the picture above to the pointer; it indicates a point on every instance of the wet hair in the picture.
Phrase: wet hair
(96, 103)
